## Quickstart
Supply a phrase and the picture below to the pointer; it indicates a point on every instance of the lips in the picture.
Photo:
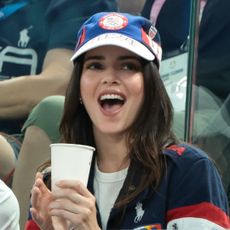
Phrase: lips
(111, 103)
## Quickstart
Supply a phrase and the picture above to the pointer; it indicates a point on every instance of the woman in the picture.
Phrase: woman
(141, 177)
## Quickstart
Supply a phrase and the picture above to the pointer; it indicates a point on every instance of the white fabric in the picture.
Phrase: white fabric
(192, 223)
(107, 187)
(122, 41)
(9, 208)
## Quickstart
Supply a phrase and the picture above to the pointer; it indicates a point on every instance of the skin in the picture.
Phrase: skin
(114, 71)
(52, 80)
(106, 70)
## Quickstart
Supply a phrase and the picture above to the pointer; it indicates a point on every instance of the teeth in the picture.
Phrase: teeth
(111, 96)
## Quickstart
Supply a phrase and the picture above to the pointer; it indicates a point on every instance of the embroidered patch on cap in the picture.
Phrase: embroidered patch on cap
(113, 21)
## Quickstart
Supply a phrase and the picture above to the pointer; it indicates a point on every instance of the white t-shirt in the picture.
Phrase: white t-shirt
(9, 208)
(107, 187)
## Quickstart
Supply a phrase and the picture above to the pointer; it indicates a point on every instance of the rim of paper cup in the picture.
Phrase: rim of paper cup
(71, 145)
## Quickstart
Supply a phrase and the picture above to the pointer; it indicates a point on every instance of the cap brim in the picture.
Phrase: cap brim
(116, 39)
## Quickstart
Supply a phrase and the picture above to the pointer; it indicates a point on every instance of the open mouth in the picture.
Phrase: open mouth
(111, 102)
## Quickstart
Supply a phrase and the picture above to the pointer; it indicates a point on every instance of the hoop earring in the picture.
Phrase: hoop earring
(80, 100)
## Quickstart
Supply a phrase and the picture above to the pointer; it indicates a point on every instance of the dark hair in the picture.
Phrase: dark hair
(147, 137)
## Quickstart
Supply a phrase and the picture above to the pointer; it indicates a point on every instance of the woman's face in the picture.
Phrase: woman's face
(112, 88)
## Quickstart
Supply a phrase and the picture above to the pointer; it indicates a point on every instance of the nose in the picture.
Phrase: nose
(111, 77)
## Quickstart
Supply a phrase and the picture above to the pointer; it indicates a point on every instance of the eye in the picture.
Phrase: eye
(93, 66)
(131, 66)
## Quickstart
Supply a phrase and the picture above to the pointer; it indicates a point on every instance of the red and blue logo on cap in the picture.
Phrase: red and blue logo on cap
(134, 33)
(113, 21)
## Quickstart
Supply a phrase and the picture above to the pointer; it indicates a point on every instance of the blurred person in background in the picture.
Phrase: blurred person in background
(213, 74)
(37, 39)
(9, 208)
(211, 119)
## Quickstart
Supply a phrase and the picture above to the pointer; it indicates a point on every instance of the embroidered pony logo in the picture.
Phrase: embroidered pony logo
(24, 38)
(139, 212)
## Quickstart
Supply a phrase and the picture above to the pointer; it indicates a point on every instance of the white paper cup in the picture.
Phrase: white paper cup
(70, 162)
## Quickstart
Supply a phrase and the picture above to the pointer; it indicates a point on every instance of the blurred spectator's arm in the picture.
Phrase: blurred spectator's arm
(26, 91)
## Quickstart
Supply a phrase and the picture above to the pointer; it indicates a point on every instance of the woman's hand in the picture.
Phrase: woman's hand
(40, 199)
(73, 202)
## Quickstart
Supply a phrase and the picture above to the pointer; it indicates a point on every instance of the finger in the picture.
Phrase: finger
(35, 215)
(38, 175)
(68, 205)
(75, 218)
(78, 186)
(37, 180)
(35, 194)
(70, 194)
(74, 197)
(41, 185)
(77, 208)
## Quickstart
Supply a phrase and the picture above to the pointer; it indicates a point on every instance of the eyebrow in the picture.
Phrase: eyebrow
(125, 57)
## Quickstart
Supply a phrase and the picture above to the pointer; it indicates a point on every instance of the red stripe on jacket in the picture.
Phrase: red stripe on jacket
(203, 210)
(31, 225)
